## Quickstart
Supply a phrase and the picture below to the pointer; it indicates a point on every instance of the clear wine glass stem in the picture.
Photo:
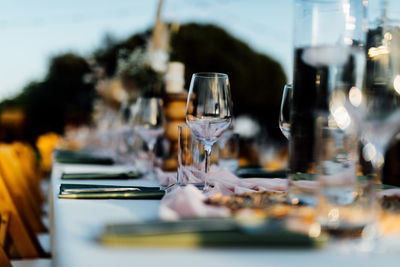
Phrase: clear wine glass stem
(207, 148)
(151, 146)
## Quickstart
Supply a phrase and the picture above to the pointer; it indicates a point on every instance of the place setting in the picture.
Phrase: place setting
(207, 137)
(324, 193)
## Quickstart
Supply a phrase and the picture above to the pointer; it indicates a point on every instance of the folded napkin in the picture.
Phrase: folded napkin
(205, 233)
(188, 201)
(392, 192)
(261, 173)
(79, 157)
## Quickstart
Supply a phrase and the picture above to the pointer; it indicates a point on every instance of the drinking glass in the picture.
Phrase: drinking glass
(148, 122)
(346, 202)
(284, 114)
(228, 151)
(375, 106)
(190, 158)
(124, 134)
(209, 109)
(374, 109)
(327, 56)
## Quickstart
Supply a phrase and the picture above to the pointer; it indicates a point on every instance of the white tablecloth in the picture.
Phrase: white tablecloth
(76, 223)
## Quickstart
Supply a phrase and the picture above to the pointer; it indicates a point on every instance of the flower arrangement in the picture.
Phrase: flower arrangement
(137, 67)
(145, 67)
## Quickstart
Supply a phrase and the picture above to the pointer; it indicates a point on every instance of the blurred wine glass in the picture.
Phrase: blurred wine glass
(124, 134)
(148, 122)
(375, 106)
(209, 109)
(284, 114)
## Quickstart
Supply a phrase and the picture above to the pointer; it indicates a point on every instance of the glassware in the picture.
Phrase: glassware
(376, 106)
(148, 122)
(327, 56)
(346, 202)
(209, 109)
(228, 150)
(124, 134)
(191, 155)
(104, 122)
(284, 114)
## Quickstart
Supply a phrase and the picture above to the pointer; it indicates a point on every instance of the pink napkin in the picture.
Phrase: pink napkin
(165, 178)
(388, 193)
(188, 201)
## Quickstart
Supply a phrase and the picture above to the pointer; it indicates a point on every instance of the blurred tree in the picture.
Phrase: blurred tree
(257, 81)
(63, 97)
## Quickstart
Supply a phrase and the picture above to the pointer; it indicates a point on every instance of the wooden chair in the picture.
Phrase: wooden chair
(21, 246)
(4, 218)
(46, 144)
(4, 262)
(16, 239)
(30, 167)
(28, 206)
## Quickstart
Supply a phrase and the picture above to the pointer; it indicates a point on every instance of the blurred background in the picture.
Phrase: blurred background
(49, 50)
(57, 58)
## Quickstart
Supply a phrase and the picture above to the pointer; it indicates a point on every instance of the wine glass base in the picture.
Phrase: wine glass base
(198, 186)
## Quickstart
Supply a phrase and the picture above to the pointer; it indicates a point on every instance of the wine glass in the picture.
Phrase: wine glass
(124, 134)
(148, 122)
(284, 114)
(375, 107)
(209, 109)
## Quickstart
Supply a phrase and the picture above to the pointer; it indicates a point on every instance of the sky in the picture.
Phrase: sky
(31, 32)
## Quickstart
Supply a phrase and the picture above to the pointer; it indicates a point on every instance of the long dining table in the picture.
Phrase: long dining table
(76, 224)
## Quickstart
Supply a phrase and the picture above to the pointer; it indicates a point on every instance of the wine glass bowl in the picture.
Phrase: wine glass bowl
(209, 108)
(148, 121)
(208, 130)
(284, 114)
(375, 107)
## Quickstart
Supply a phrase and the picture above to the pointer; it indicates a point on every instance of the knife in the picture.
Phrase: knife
(99, 190)
(91, 175)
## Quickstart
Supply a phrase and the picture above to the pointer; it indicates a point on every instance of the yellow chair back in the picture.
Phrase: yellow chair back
(28, 206)
(22, 243)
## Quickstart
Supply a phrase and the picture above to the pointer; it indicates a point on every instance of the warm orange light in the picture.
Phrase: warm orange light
(315, 230)
(396, 83)
(355, 96)
(334, 215)
(377, 51)
(295, 201)
(388, 36)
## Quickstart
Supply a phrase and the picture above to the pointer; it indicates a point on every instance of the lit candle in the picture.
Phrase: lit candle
(174, 78)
